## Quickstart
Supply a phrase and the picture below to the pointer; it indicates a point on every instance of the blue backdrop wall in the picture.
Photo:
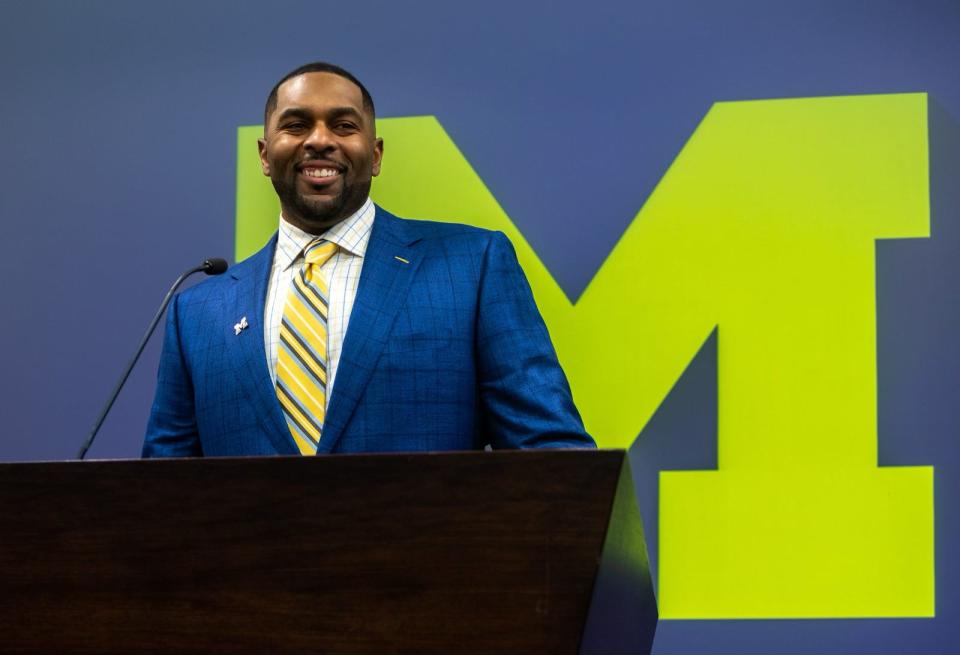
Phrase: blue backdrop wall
(120, 126)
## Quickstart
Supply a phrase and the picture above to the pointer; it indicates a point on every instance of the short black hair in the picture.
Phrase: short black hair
(317, 67)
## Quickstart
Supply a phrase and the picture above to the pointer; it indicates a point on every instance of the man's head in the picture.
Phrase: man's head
(319, 145)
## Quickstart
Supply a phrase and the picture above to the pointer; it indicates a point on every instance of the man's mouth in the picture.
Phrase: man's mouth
(320, 172)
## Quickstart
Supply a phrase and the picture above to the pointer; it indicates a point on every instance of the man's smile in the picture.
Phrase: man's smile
(319, 172)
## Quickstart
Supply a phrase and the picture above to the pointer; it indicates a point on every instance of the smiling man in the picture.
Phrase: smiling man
(322, 176)
(353, 330)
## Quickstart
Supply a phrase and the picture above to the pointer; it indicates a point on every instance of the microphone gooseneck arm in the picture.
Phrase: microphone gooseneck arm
(213, 266)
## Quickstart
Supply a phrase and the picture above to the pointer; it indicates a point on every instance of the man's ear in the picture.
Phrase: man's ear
(377, 156)
(264, 164)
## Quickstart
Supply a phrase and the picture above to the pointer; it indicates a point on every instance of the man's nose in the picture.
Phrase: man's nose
(319, 138)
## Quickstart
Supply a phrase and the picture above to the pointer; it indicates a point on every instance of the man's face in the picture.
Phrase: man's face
(320, 150)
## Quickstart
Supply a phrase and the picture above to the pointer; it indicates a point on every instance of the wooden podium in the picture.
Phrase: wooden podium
(452, 553)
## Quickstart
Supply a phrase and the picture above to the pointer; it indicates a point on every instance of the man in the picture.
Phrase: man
(445, 348)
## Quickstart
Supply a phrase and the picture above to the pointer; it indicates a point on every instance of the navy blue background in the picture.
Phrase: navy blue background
(119, 133)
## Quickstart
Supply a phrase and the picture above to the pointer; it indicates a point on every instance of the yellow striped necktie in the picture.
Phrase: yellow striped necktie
(302, 352)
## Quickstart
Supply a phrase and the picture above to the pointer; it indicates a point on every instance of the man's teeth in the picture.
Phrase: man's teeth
(320, 172)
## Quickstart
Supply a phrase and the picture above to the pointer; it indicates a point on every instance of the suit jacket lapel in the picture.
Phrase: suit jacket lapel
(252, 372)
(383, 287)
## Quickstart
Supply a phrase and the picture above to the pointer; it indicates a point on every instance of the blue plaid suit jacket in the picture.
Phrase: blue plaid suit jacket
(446, 352)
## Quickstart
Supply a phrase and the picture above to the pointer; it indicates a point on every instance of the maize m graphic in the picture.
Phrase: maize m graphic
(764, 230)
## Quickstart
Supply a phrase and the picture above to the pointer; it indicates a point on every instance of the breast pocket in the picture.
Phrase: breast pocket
(417, 343)
(415, 332)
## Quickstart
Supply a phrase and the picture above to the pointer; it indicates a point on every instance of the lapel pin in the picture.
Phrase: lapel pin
(241, 326)
(401, 259)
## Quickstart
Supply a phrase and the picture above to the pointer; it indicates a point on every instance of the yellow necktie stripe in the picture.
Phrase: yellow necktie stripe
(298, 416)
(316, 300)
(301, 386)
(293, 342)
(311, 330)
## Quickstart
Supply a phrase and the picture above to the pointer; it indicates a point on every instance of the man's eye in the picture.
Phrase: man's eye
(345, 126)
(293, 126)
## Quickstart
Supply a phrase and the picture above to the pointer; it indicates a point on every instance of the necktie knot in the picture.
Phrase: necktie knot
(319, 251)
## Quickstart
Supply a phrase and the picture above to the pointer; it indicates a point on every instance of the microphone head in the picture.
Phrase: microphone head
(215, 266)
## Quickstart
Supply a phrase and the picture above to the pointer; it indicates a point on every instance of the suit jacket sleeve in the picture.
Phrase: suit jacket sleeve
(525, 400)
(172, 429)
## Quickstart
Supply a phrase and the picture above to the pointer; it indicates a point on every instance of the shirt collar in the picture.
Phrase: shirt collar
(351, 234)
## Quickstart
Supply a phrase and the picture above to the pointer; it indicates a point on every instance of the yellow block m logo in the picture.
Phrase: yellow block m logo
(763, 228)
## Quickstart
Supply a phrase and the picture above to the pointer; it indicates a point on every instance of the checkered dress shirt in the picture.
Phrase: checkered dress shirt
(342, 270)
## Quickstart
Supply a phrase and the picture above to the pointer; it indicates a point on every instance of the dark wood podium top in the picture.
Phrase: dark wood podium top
(424, 553)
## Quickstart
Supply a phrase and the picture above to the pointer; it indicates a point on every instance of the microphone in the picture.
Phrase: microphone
(212, 266)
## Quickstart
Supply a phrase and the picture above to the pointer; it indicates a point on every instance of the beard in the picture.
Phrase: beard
(305, 212)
